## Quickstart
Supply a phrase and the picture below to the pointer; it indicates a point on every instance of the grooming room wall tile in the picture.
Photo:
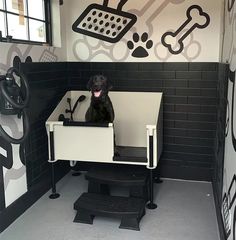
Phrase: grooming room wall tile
(190, 107)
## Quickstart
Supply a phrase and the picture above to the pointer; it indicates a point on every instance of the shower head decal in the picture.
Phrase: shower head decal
(105, 23)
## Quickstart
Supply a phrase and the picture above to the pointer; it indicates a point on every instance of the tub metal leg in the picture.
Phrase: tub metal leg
(151, 204)
(54, 193)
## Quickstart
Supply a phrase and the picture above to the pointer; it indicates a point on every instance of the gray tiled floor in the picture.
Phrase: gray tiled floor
(185, 212)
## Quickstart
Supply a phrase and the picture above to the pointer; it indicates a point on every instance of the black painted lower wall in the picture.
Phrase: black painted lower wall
(48, 84)
(190, 108)
(222, 94)
(221, 131)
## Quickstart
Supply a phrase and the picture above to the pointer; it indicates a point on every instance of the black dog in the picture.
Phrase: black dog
(100, 109)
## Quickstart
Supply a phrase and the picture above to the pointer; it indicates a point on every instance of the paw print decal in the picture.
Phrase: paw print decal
(140, 45)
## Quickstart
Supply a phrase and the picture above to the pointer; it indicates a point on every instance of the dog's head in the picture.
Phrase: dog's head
(99, 86)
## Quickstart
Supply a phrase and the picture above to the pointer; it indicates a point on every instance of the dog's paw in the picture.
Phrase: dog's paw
(142, 44)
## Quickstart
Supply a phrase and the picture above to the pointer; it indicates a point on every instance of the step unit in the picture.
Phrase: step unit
(101, 179)
(130, 210)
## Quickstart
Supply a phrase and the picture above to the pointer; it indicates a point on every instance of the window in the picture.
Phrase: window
(25, 21)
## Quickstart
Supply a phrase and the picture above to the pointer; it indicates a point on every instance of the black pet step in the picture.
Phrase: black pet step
(125, 176)
(130, 210)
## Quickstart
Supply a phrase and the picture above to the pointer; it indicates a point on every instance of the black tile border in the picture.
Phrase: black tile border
(176, 171)
(190, 98)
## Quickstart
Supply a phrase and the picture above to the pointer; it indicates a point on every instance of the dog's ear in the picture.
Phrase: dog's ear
(90, 83)
(108, 83)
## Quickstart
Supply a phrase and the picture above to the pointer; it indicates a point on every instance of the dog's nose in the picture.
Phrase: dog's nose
(97, 88)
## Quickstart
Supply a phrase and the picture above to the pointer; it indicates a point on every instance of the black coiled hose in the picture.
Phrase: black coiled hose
(20, 106)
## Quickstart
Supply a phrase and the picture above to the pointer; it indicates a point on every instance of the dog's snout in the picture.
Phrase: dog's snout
(97, 87)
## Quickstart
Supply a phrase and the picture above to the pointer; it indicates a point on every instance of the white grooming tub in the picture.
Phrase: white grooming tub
(137, 129)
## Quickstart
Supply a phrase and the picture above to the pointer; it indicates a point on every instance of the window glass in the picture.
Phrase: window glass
(16, 6)
(36, 9)
(37, 31)
(1, 4)
(2, 24)
(25, 20)
(15, 27)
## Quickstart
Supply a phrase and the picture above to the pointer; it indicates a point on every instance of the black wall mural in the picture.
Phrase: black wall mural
(105, 23)
(174, 41)
(16, 64)
(219, 149)
(6, 161)
(15, 56)
(2, 195)
(227, 120)
(229, 196)
(234, 223)
(230, 4)
(228, 202)
(17, 61)
(233, 127)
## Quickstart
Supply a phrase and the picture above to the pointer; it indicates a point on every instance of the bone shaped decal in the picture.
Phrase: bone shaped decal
(196, 18)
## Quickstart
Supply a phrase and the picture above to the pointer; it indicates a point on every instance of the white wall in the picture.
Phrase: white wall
(154, 18)
(229, 56)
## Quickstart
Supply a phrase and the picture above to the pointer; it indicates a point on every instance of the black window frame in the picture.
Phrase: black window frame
(47, 21)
